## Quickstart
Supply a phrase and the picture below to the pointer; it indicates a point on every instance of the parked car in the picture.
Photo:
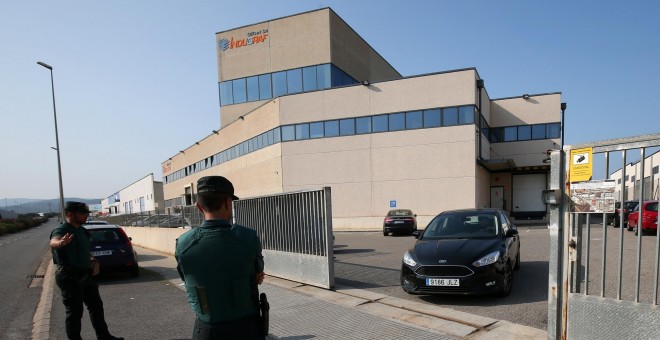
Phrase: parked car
(471, 251)
(628, 206)
(649, 218)
(112, 248)
(400, 220)
(173, 221)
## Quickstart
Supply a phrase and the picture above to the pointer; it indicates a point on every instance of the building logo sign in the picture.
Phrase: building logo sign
(252, 38)
(167, 167)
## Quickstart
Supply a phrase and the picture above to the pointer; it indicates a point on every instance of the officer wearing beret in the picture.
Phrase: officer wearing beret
(221, 264)
(70, 245)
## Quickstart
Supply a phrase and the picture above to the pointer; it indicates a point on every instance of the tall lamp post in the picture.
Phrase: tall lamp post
(563, 108)
(57, 140)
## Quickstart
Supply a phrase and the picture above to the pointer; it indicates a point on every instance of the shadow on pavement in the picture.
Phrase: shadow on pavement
(142, 257)
(353, 251)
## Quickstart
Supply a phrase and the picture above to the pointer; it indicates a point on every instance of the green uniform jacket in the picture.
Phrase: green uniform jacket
(218, 262)
(75, 254)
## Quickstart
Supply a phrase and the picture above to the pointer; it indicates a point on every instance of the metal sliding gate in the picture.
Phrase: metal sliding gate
(603, 281)
(296, 234)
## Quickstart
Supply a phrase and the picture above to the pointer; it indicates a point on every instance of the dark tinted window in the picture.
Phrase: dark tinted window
(432, 118)
(288, 133)
(252, 89)
(226, 93)
(347, 127)
(265, 91)
(240, 94)
(104, 235)
(510, 134)
(331, 128)
(363, 125)
(553, 130)
(294, 80)
(414, 120)
(302, 131)
(279, 84)
(309, 78)
(323, 76)
(524, 132)
(337, 75)
(397, 121)
(466, 115)
(496, 135)
(379, 123)
(316, 130)
(538, 131)
(450, 116)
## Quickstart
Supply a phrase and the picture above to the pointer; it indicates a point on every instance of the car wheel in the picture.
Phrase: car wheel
(517, 265)
(507, 281)
(385, 232)
(134, 271)
(616, 223)
(628, 227)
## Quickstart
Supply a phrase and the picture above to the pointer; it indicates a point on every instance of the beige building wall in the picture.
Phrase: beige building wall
(635, 169)
(537, 109)
(524, 153)
(353, 55)
(431, 91)
(366, 172)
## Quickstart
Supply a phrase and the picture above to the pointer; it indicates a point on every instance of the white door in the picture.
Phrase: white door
(497, 198)
(527, 193)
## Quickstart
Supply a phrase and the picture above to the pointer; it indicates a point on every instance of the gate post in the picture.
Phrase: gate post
(556, 278)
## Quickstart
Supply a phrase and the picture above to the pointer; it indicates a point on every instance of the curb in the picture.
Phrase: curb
(41, 318)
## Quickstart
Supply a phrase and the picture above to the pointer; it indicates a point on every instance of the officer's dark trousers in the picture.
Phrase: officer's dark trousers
(246, 328)
(75, 292)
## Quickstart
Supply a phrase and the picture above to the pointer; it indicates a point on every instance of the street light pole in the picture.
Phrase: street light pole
(563, 108)
(57, 140)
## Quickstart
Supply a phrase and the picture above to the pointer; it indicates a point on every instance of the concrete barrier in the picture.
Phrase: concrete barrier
(159, 239)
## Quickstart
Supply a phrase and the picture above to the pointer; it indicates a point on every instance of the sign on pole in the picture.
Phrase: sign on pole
(581, 167)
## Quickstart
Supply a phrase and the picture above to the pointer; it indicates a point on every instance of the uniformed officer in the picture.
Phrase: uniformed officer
(221, 264)
(70, 245)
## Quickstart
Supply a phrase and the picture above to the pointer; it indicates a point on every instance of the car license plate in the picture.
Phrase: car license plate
(102, 252)
(397, 222)
(442, 282)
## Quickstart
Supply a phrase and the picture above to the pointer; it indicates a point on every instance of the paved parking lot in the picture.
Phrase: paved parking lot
(370, 261)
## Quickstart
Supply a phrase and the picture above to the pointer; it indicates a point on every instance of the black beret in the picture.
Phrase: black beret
(215, 184)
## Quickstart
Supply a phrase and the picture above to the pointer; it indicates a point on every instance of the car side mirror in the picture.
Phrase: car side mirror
(511, 232)
(130, 238)
(416, 234)
(414, 215)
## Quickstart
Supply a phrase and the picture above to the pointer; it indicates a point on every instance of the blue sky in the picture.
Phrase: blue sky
(136, 81)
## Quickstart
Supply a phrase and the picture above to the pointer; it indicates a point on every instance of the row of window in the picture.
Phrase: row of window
(381, 123)
(524, 132)
(253, 144)
(270, 85)
(420, 119)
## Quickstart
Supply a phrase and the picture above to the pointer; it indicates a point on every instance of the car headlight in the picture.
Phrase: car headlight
(488, 259)
(407, 259)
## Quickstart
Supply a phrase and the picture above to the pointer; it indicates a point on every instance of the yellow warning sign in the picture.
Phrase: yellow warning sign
(581, 167)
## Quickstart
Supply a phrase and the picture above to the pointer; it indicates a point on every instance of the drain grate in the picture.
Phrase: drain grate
(35, 276)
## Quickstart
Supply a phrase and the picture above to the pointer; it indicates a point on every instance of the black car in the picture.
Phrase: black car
(112, 248)
(400, 221)
(628, 206)
(463, 252)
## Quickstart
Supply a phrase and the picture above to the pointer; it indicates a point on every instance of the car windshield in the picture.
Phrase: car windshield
(631, 205)
(652, 206)
(462, 225)
(400, 212)
(104, 235)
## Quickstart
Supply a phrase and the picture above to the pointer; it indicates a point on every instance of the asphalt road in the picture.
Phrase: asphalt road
(146, 307)
(20, 255)
(370, 261)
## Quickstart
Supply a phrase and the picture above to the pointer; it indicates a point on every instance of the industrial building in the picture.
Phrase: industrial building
(305, 103)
